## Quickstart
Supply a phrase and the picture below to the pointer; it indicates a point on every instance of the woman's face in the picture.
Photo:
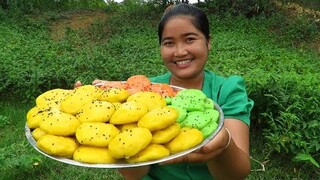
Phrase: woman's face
(184, 49)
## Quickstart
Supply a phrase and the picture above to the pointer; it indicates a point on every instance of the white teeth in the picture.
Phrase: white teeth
(183, 62)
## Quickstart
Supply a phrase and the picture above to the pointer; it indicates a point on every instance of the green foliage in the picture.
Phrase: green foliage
(249, 8)
(140, 9)
(306, 157)
(283, 82)
(289, 104)
(4, 120)
(117, 52)
(281, 79)
(297, 29)
(34, 6)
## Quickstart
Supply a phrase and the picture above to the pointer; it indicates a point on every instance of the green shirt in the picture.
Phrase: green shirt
(231, 95)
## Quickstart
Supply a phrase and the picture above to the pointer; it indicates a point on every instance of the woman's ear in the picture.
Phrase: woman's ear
(209, 44)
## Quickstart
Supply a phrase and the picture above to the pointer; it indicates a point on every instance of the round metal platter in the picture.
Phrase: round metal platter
(123, 164)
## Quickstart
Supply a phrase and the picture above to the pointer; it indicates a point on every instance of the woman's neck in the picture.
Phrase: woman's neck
(194, 83)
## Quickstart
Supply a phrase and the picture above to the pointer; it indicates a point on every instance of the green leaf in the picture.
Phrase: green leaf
(306, 157)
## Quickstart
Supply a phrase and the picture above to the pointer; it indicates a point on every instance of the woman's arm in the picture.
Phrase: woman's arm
(134, 173)
(232, 162)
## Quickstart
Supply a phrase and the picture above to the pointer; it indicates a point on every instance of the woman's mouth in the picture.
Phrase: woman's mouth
(182, 62)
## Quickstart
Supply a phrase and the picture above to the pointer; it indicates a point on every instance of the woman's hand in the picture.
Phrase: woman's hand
(77, 84)
(96, 81)
(207, 152)
(225, 160)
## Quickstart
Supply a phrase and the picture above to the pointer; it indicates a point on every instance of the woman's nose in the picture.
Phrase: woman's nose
(180, 50)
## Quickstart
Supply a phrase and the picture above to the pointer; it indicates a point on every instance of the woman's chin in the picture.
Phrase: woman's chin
(184, 75)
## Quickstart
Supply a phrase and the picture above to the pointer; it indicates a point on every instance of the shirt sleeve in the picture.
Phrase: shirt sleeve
(234, 100)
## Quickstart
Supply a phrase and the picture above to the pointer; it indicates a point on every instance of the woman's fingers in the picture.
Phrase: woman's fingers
(77, 84)
(194, 157)
(207, 152)
(218, 142)
(96, 81)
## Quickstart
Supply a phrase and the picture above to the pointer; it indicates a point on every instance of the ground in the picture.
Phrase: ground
(82, 20)
(79, 20)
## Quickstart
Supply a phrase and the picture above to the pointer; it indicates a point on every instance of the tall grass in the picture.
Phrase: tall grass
(36, 6)
(281, 77)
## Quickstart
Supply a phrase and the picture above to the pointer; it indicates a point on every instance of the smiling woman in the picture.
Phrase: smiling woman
(184, 46)
(184, 50)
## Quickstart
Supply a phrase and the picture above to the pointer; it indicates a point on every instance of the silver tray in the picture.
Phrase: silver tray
(124, 164)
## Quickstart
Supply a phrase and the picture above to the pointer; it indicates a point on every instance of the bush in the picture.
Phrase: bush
(286, 106)
(295, 29)
(248, 8)
(283, 81)
(34, 6)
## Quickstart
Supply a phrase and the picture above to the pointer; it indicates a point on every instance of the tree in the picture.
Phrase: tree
(4, 4)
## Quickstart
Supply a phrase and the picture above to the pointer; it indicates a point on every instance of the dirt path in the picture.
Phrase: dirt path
(82, 20)
(296, 10)
(75, 21)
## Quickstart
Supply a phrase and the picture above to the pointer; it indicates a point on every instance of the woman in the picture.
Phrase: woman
(185, 43)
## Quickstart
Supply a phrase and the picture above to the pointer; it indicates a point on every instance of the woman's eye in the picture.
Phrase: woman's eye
(190, 40)
(167, 43)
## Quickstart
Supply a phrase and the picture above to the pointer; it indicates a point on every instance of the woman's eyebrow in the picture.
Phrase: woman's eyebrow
(190, 34)
(166, 38)
(183, 35)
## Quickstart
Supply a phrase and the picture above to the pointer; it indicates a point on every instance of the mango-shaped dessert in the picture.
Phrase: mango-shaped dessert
(186, 139)
(60, 124)
(114, 95)
(129, 143)
(116, 104)
(95, 111)
(129, 112)
(113, 84)
(151, 99)
(209, 104)
(213, 114)
(165, 90)
(96, 133)
(182, 113)
(57, 145)
(213, 124)
(93, 155)
(150, 153)
(37, 133)
(35, 115)
(190, 99)
(52, 98)
(159, 118)
(209, 129)
(90, 89)
(196, 119)
(33, 111)
(79, 97)
(138, 83)
(127, 127)
(165, 135)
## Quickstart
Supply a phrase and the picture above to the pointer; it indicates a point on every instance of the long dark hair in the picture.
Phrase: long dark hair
(198, 18)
